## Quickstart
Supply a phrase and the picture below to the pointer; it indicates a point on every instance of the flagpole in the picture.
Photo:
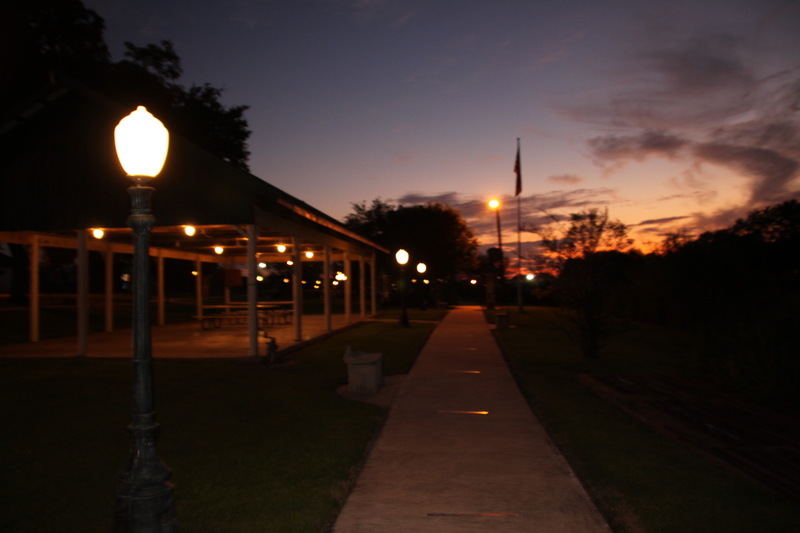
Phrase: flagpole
(518, 168)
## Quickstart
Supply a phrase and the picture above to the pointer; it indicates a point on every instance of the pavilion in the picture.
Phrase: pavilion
(61, 181)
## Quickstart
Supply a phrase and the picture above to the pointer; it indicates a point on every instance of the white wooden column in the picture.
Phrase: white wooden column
(108, 255)
(33, 302)
(373, 284)
(326, 287)
(82, 265)
(252, 291)
(297, 290)
(348, 289)
(362, 283)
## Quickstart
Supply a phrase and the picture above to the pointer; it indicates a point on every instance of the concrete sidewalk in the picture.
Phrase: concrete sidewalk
(461, 450)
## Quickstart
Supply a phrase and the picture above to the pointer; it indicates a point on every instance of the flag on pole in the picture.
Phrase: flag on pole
(518, 172)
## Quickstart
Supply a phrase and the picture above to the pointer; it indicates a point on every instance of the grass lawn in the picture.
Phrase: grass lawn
(253, 447)
(641, 480)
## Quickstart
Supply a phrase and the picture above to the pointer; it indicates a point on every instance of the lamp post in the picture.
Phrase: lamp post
(492, 296)
(402, 259)
(421, 269)
(144, 496)
(495, 206)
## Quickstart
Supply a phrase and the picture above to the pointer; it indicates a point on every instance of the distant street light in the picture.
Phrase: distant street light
(402, 259)
(495, 205)
(422, 268)
(491, 283)
(145, 500)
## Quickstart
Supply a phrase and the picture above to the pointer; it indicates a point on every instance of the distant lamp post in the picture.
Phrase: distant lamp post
(495, 206)
(144, 496)
(421, 269)
(402, 259)
(491, 282)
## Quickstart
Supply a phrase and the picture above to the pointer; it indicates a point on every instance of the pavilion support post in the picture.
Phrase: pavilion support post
(33, 331)
(326, 288)
(297, 290)
(83, 291)
(252, 291)
(198, 288)
(373, 293)
(109, 287)
(362, 284)
(348, 288)
(162, 312)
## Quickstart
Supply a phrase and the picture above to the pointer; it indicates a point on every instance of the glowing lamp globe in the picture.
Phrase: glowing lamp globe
(422, 268)
(401, 256)
(142, 142)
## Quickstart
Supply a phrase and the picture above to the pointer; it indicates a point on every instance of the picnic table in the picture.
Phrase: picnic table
(267, 313)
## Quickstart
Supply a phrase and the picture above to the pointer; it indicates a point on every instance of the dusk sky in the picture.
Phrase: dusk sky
(673, 114)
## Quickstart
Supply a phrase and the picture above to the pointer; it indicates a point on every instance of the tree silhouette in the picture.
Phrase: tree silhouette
(585, 251)
(44, 41)
(434, 234)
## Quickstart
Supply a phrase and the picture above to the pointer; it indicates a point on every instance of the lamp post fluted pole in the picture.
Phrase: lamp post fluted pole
(145, 502)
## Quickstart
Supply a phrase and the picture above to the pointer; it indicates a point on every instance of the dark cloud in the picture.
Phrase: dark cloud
(572, 200)
(660, 221)
(636, 147)
(413, 198)
(535, 209)
(770, 172)
(566, 179)
(657, 231)
(468, 208)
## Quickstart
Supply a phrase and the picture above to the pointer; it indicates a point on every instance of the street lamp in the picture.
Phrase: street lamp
(495, 205)
(422, 268)
(144, 496)
(402, 259)
(491, 284)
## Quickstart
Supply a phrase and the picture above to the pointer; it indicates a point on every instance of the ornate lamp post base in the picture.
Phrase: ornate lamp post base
(145, 508)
